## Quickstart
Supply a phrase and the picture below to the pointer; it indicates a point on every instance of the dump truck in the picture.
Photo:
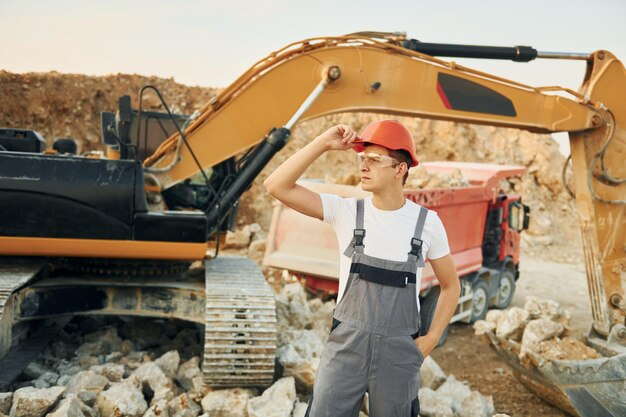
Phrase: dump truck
(484, 241)
(114, 232)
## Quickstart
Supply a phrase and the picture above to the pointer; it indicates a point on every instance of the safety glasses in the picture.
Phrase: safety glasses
(375, 160)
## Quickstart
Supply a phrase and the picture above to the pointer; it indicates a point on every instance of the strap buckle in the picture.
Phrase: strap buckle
(359, 234)
(416, 246)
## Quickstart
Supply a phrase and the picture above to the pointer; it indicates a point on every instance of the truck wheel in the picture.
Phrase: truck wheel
(427, 311)
(506, 289)
(480, 300)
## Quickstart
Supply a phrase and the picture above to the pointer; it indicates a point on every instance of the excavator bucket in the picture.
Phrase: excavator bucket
(585, 388)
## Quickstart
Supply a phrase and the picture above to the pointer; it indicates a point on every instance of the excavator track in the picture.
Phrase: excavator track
(15, 273)
(240, 326)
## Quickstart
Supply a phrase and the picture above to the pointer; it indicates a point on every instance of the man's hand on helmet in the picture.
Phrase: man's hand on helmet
(338, 138)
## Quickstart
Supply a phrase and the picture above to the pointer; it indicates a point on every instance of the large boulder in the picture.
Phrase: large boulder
(34, 402)
(277, 401)
(227, 402)
(123, 399)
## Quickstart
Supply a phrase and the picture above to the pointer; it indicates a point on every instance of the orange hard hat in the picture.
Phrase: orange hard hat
(388, 133)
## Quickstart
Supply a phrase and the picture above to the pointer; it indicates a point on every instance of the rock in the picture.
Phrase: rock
(112, 372)
(87, 385)
(537, 308)
(304, 371)
(493, 316)
(87, 361)
(366, 403)
(33, 402)
(537, 331)
(158, 409)
(127, 347)
(227, 402)
(61, 349)
(50, 377)
(189, 375)
(482, 327)
(431, 374)
(300, 356)
(256, 250)
(299, 410)
(238, 239)
(566, 348)
(91, 349)
(113, 357)
(169, 363)
(256, 230)
(187, 342)
(512, 322)
(63, 380)
(5, 402)
(454, 392)
(121, 400)
(150, 375)
(67, 368)
(276, 401)
(183, 406)
(322, 317)
(432, 405)
(71, 406)
(477, 405)
(34, 370)
(297, 314)
(143, 333)
(108, 340)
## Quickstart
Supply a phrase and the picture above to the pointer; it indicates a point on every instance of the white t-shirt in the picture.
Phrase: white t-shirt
(388, 233)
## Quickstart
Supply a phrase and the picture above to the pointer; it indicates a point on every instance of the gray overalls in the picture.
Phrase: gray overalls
(371, 346)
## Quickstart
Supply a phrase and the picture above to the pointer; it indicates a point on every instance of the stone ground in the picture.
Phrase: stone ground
(472, 360)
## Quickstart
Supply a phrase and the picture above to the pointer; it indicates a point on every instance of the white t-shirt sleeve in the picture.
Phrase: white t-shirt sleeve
(439, 244)
(331, 204)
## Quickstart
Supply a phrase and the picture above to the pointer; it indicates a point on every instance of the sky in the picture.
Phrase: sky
(210, 43)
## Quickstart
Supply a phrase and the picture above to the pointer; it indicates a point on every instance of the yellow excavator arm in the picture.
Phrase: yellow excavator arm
(359, 73)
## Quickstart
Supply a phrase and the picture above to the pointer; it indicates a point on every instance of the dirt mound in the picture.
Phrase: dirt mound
(69, 105)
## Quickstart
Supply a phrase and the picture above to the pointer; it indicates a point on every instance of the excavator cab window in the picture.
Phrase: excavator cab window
(119, 129)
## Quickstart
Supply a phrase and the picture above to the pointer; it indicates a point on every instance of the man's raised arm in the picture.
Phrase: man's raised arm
(281, 184)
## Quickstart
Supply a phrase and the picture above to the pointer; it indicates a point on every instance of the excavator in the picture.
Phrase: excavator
(114, 233)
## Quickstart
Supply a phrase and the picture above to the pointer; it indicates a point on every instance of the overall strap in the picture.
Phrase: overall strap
(416, 241)
(356, 245)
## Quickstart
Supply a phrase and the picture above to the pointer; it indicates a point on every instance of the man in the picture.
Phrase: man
(374, 345)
